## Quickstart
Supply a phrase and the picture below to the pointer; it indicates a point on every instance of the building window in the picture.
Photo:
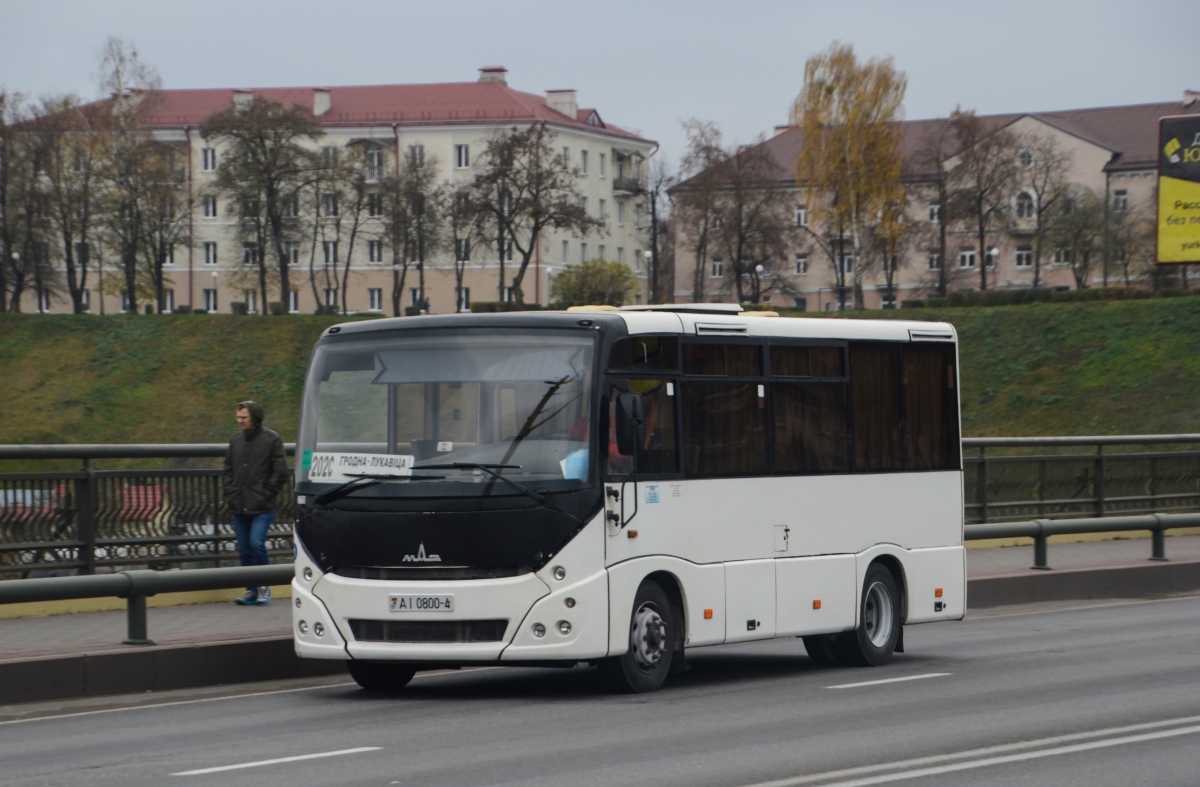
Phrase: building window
(462, 300)
(1024, 257)
(462, 250)
(966, 257)
(601, 163)
(169, 257)
(330, 247)
(934, 261)
(800, 304)
(845, 264)
(583, 162)
(294, 302)
(801, 217)
(375, 299)
(600, 251)
(566, 248)
(208, 157)
(1062, 256)
(43, 301)
(414, 298)
(621, 254)
(1120, 202)
(168, 301)
(328, 205)
(620, 214)
(889, 264)
(583, 252)
(291, 208)
(716, 268)
(462, 156)
(210, 300)
(509, 295)
(1024, 206)
(331, 296)
(416, 156)
(251, 297)
(1025, 159)
(210, 253)
(566, 158)
(887, 302)
(375, 251)
(374, 164)
(935, 212)
(291, 248)
(85, 298)
(583, 204)
(330, 155)
(250, 253)
(603, 212)
(210, 207)
(374, 205)
(800, 264)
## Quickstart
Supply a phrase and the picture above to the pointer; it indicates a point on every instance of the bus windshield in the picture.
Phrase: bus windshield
(450, 414)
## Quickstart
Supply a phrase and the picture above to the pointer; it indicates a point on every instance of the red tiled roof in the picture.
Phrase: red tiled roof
(1130, 132)
(453, 103)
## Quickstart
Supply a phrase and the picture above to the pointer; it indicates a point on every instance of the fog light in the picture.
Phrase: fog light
(297, 602)
(307, 574)
(570, 602)
(560, 573)
(539, 630)
(564, 627)
(303, 627)
(319, 629)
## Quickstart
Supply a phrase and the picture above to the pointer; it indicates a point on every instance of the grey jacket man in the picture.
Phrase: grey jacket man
(255, 467)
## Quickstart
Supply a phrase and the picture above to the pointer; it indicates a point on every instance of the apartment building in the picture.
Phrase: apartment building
(447, 125)
(1111, 152)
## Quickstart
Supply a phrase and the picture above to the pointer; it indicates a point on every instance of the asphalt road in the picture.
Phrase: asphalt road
(1107, 694)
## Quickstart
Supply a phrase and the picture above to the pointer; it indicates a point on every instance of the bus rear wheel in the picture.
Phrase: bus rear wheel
(380, 676)
(652, 635)
(874, 641)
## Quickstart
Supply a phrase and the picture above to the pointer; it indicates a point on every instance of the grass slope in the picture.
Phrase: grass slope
(1117, 367)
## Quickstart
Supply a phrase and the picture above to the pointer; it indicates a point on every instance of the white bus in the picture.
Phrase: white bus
(614, 487)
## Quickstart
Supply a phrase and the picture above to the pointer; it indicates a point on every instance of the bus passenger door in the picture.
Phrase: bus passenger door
(749, 600)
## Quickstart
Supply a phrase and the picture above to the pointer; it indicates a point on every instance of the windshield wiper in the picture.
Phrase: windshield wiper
(362, 481)
(491, 470)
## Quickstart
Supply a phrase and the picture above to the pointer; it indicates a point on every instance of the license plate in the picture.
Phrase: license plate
(421, 603)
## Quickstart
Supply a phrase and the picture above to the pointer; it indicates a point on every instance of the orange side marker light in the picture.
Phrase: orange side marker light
(708, 614)
(632, 533)
(937, 592)
(816, 603)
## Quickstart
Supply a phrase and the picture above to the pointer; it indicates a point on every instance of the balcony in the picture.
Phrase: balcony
(626, 187)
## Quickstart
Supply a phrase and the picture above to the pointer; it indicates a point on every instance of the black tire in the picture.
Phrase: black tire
(874, 641)
(383, 677)
(821, 650)
(653, 637)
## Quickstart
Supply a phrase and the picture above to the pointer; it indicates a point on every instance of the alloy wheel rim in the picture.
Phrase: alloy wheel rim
(877, 614)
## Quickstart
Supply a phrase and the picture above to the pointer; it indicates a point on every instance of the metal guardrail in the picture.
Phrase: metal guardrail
(136, 586)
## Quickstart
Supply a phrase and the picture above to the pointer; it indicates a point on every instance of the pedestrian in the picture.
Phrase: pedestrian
(255, 471)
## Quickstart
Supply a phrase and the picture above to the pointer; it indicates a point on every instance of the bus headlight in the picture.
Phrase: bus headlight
(560, 573)
(307, 574)
(564, 627)
(319, 629)
(303, 626)
(539, 630)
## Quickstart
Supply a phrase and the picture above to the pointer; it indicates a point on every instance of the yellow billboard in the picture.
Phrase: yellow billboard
(1179, 189)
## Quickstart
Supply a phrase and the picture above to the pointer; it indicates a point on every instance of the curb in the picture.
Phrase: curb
(129, 669)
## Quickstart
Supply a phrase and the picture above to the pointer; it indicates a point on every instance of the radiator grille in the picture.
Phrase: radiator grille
(428, 574)
(428, 630)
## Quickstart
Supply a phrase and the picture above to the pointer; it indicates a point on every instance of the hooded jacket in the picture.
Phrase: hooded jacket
(255, 467)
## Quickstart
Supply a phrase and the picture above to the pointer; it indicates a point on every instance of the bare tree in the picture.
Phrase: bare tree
(654, 194)
(465, 225)
(1078, 232)
(267, 163)
(1130, 241)
(413, 220)
(982, 179)
(526, 188)
(1042, 169)
(696, 196)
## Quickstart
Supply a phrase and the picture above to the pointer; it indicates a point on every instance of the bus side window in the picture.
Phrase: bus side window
(660, 453)
(811, 427)
(875, 395)
(724, 428)
(931, 407)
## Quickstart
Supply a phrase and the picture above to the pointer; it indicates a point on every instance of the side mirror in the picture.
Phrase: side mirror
(631, 423)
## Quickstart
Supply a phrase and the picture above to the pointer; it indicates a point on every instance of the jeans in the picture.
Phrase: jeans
(251, 532)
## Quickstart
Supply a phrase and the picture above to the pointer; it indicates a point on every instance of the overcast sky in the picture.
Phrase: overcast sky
(644, 65)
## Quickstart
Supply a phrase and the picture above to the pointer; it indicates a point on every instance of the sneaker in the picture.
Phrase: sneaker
(264, 596)
(251, 597)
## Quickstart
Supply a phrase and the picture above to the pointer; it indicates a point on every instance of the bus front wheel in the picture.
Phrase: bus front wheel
(380, 676)
(652, 636)
(874, 641)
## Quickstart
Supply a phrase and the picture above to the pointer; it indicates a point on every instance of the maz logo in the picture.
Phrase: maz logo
(421, 557)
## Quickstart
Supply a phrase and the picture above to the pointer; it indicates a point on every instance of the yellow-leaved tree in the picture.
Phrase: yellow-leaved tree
(847, 114)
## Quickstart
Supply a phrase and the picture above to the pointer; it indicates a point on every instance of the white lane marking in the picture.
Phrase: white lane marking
(1029, 755)
(890, 680)
(432, 674)
(260, 763)
(984, 751)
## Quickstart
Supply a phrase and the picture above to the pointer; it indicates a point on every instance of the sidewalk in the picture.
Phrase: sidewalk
(221, 643)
